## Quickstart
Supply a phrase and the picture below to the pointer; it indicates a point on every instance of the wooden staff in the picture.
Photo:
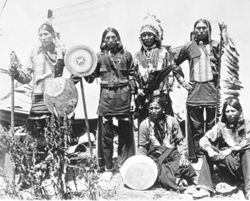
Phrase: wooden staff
(12, 104)
(12, 63)
(221, 26)
(86, 117)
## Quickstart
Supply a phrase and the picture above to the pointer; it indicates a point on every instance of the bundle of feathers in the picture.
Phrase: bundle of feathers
(230, 83)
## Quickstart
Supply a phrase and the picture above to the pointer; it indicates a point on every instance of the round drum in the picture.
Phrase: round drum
(139, 172)
(60, 96)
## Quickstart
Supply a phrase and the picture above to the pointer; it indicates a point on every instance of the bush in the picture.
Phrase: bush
(48, 169)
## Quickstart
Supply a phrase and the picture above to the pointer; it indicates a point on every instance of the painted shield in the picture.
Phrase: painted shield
(80, 60)
(60, 96)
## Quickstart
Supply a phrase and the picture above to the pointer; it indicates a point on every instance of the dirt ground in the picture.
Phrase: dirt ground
(156, 192)
(116, 189)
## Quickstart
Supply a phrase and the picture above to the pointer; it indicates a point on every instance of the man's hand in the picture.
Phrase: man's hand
(215, 155)
(140, 92)
(226, 152)
(13, 71)
(132, 104)
(211, 153)
(41, 78)
(184, 162)
(186, 85)
(38, 80)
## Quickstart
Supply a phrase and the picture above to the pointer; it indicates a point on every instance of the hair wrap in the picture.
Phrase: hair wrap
(47, 27)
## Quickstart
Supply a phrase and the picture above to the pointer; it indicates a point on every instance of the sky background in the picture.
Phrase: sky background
(83, 21)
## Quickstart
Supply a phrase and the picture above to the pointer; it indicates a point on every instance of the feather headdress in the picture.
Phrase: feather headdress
(153, 25)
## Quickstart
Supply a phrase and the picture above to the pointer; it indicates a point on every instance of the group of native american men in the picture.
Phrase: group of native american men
(142, 84)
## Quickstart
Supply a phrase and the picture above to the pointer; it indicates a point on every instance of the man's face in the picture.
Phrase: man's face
(232, 114)
(202, 33)
(45, 37)
(148, 39)
(111, 40)
(201, 28)
(155, 111)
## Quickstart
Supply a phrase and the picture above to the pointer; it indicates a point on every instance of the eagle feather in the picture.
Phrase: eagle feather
(230, 83)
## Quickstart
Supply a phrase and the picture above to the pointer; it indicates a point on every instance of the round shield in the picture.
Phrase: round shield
(139, 172)
(60, 96)
(80, 60)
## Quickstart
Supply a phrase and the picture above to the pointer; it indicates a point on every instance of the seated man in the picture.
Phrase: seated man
(227, 145)
(160, 138)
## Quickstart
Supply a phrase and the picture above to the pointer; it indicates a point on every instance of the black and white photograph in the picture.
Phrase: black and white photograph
(124, 100)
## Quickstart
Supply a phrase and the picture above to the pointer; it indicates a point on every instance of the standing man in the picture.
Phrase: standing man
(203, 55)
(115, 68)
(45, 62)
(155, 74)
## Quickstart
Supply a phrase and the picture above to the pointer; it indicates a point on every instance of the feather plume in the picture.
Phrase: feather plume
(230, 83)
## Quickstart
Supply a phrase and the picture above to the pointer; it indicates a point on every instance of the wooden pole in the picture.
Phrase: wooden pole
(12, 126)
(221, 26)
(99, 154)
(187, 131)
(12, 105)
(13, 60)
(86, 117)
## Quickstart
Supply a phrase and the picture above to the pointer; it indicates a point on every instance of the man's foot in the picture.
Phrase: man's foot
(201, 193)
(181, 182)
(197, 165)
(247, 195)
(106, 176)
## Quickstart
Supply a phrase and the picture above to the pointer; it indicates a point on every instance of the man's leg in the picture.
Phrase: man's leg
(210, 121)
(229, 167)
(205, 177)
(126, 145)
(232, 167)
(196, 131)
(107, 142)
(245, 164)
(188, 173)
(100, 157)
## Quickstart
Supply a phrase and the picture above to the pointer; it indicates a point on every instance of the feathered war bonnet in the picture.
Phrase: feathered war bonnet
(153, 25)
